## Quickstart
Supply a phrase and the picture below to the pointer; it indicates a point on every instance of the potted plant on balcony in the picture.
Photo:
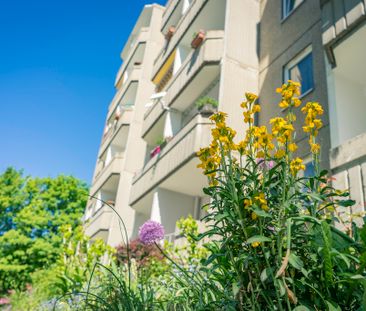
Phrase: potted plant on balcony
(198, 37)
(117, 115)
(170, 32)
(207, 105)
(160, 144)
(110, 202)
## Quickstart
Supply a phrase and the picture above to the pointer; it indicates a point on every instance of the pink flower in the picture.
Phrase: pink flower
(4, 301)
(151, 232)
(265, 165)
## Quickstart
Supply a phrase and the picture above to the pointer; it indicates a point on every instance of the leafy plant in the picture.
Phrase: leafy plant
(275, 243)
(200, 103)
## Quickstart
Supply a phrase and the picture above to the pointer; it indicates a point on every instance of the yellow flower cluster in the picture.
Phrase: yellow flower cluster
(283, 130)
(296, 165)
(222, 141)
(250, 108)
(258, 200)
(222, 134)
(289, 91)
(262, 141)
(312, 124)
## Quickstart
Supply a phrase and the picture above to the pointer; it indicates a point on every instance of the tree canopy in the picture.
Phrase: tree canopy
(32, 212)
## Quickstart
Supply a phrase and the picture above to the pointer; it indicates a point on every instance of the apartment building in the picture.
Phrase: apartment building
(191, 49)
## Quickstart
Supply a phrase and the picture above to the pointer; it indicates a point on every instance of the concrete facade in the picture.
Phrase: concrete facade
(146, 166)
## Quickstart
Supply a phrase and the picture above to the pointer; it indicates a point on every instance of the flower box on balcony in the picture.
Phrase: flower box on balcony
(161, 143)
(155, 151)
(207, 105)
(117, 115)
(169, 34)
(198, 39)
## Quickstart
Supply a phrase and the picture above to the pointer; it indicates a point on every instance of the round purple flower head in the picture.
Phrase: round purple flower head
(151, 232)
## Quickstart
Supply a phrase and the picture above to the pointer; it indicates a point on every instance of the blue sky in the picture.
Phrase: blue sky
(58, 61)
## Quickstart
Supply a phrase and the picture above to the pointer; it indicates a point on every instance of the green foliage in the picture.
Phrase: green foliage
(32, 210)
(77, 259)
(206, 100)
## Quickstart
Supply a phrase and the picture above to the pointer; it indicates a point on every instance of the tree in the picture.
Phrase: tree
(32, 211)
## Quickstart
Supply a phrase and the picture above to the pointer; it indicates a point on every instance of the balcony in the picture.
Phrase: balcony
(348, 165)
(199, 69)
(201, 14)
(128, 85)
(340, 17)
(125, 97)
(174, 11)
(136, 56)
(175, 165)
(143, 22)
(107, 175)
(99, 223)
(117, 129)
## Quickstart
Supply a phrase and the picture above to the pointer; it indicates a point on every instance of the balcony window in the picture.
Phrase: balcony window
(300, 69)
(288, 6)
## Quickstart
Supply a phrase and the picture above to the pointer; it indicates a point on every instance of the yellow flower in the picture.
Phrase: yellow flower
(296, 165)
(315, 148)
(297, 102)
(265, 207)
(248, 117)
(251, 97)
(256, 108)
(254, 216)
(256, 244)
(292, 147)
(280, 153)
(219, 117)
(244, 105)
(247, 203)
(283, 104)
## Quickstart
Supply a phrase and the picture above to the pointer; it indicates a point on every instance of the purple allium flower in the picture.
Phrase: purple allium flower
(150, 232)
(265, 165)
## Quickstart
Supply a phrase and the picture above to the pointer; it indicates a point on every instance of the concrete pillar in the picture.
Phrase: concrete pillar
(169, 206)
(172, 123)
(240, 59)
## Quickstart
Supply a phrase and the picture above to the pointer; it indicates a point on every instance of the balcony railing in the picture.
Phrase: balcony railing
(339, 17)
(102, 165)
(114, 167)
(348, 165)
(178, 151)
(99, 221)
(210, 52)
(124, 120)
(142, 37)
(181, 29)
(134, 76)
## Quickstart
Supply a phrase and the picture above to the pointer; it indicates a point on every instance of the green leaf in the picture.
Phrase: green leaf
(265, 274)
(301, 308)
(346, 203)
(295, 261)
(358, 277)
(261, 213)
(332, 306)
(235, 288)
(258, 238)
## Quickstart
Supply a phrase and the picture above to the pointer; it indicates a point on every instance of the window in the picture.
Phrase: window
(309, 169)
(300, 69)
(288, 6)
